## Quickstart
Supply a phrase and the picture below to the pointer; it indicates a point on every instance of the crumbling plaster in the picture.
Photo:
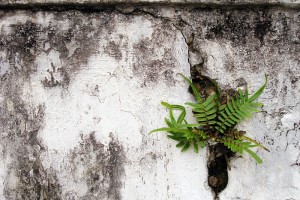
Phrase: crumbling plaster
(80, 90)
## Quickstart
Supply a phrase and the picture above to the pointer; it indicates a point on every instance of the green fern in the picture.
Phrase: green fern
(240, 146)
(216, 122)
(185, 134)
(239, 108)
(205, 112)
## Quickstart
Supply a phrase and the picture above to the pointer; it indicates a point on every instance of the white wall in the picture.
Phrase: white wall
(81, 133)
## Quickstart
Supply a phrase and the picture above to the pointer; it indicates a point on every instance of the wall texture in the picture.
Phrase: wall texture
(80, 90)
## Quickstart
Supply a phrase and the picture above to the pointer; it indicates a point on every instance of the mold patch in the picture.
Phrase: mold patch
(153, 59)
(75, 42)
(101, 167)
(114, 51)
(21, 46)
(234, 25)
(238, 26)
(262, 27)
(58, 77)
(26, 177)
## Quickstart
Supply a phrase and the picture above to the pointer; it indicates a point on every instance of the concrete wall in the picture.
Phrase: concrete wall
(80, 90)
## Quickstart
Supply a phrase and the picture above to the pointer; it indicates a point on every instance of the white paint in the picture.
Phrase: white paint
(105, 96)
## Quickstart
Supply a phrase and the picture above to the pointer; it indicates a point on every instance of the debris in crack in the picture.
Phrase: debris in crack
(217, 165)
(219, 154)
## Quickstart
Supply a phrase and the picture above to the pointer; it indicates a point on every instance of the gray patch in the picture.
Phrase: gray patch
(75, 45)
(260, 39)
(104, 167)
(241, 83)
(169, 77)
(58, 77)
(21, 46)
(20, 123)
(239, 25)
(114, 51)
(146, 51)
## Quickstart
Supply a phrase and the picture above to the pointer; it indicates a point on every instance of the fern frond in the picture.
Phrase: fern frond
(238, 108)
(179, 130)
(240, 146)
(206, 112)
(178, 107)
(255, 142)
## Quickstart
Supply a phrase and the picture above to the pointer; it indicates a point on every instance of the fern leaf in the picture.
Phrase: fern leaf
(166, 104)
(186, 146)
(219, 129)
(240, 146)
(234, 104)
(210, 106)
(196, 147)
(255, 142)
(177, 138)
(202, 144)
(184, 132)
(169, 123)
(222, 107)
(173, 121)
(256, 158)
(180, 144)
(181, 117)
(177, 107)
(239, 108)
(181, 131)
(234, 119)
(209, 100)
(241, 96)
(205, 112)
(230, 107)
(187, 125)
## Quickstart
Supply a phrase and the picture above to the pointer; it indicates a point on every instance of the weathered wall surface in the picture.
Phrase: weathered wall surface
(80, 90)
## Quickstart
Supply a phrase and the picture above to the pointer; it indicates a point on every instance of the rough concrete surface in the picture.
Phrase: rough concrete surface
(80, 90)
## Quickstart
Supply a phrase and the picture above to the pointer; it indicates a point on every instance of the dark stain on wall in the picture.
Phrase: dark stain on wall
(20, 123)
(262, 26)
(231, 26)
(103, 166)
(114, 50)
(58, 77)
(75, 44)
(21, 47)
(240, 25)
(146, 51)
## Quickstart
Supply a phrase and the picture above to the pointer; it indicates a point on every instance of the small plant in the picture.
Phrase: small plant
(216, 118)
